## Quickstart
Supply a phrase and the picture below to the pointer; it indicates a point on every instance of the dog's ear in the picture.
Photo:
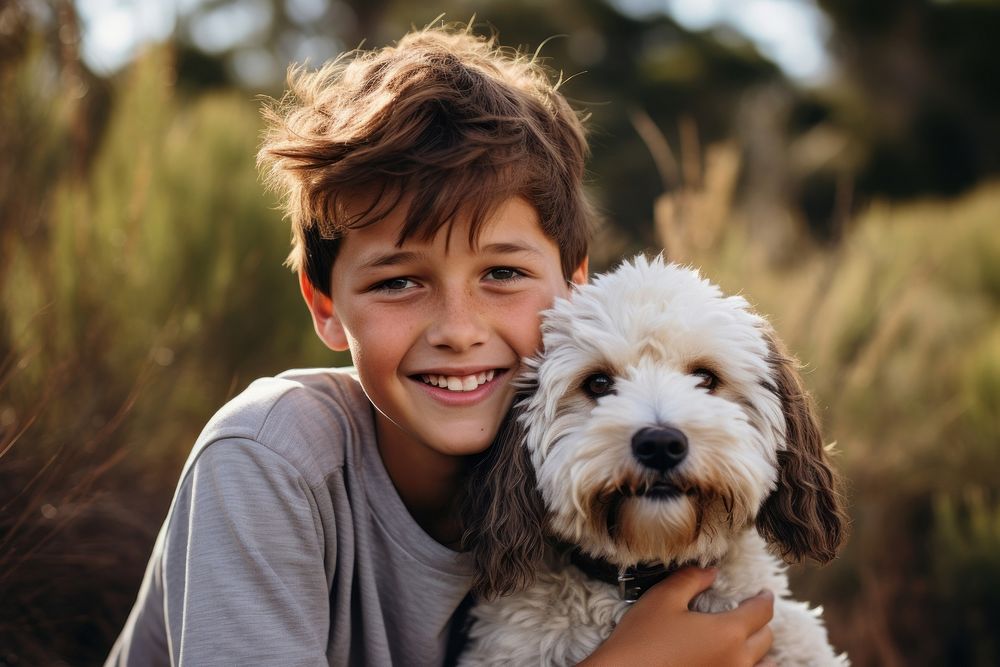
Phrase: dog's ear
(503, 515)
(804, 516)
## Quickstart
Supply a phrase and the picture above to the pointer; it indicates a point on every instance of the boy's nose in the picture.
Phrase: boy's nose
(457, 324)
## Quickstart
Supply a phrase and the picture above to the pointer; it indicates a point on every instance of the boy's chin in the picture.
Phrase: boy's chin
(458, 443)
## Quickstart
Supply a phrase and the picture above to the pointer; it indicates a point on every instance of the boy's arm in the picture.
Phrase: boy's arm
(661, 630)
(243, 563)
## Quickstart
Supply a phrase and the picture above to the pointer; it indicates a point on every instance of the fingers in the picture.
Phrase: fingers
(683, 585)
(756, 612)
(758, 644)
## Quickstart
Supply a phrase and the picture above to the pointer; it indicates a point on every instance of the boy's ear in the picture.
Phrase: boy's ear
(324, 315)
(581, 272)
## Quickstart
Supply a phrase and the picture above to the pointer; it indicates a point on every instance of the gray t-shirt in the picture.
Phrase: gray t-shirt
(287, 544)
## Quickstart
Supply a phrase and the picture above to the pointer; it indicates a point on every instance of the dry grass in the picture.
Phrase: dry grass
(143, 288)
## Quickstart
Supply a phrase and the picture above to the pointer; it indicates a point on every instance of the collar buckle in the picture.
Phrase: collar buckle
(629, 588)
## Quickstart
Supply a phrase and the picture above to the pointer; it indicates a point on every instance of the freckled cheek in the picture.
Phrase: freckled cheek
(380, 345)
(523, 325)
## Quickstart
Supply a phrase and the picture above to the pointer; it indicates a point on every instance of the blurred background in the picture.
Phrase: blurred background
(834, 160)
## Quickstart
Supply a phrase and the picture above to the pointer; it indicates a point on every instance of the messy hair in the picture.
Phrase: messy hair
(446, 119)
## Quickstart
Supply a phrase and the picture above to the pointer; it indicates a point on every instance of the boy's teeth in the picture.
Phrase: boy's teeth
(458, 383)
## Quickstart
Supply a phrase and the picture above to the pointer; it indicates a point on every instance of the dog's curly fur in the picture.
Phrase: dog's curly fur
(754, 480)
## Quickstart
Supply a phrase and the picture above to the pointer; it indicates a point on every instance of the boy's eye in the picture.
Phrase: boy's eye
(394, 284)
(503, 274)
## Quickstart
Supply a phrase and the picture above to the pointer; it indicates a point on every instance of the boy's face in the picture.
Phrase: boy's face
(420, 316)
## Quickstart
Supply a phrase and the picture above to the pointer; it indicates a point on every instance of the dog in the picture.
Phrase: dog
(662, 424)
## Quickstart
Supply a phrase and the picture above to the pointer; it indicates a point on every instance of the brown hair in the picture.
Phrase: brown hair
(503, 514)
(446, 118)
(805, 514)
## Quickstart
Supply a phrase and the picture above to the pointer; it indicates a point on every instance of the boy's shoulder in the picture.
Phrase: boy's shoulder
(308, 417)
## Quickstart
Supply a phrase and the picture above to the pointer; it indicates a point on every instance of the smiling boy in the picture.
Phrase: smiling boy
(436, 200)
(437, 329)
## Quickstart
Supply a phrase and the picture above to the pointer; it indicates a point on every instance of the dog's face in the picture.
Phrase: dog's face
(655, 422)
(660, 418)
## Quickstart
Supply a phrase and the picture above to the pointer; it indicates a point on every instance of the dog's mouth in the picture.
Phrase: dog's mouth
(660, 489)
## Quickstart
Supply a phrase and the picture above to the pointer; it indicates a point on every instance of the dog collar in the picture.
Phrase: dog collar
(631, 581)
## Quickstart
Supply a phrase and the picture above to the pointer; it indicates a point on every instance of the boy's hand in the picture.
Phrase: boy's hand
(661, 630)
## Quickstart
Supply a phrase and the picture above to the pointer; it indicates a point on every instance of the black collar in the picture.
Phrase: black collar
(631, 581)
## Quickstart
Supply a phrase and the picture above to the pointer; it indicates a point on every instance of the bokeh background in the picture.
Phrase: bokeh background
(834, 160)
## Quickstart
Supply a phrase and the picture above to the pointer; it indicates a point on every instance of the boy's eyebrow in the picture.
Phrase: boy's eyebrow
(389, 259)
(507, 248)
(404, 256)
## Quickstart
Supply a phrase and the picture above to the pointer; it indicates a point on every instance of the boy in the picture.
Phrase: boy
(435, 193)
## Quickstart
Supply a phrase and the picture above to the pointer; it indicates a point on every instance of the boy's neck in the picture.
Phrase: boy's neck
(428, 482)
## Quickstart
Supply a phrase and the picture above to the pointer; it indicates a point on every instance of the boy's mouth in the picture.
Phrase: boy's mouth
(459, 383)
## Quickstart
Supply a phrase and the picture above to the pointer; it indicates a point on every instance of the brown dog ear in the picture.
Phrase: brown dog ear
(804, 516)
(503, 515)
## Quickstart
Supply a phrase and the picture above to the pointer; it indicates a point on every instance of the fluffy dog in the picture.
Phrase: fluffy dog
(663, 424)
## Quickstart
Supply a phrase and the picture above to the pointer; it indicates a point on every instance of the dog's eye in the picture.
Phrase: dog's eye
(709, 380)
(598, 385)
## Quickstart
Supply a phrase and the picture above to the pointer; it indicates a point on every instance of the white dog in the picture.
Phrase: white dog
(663, 424)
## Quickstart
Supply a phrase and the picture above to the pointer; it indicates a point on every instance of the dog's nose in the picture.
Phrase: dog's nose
(659, 448)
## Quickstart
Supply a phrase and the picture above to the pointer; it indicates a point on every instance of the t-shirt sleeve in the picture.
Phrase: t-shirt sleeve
(243, 562)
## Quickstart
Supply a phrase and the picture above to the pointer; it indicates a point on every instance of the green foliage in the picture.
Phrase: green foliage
(981, 387)
(967, 574)
(166, 252)
(151, 290)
